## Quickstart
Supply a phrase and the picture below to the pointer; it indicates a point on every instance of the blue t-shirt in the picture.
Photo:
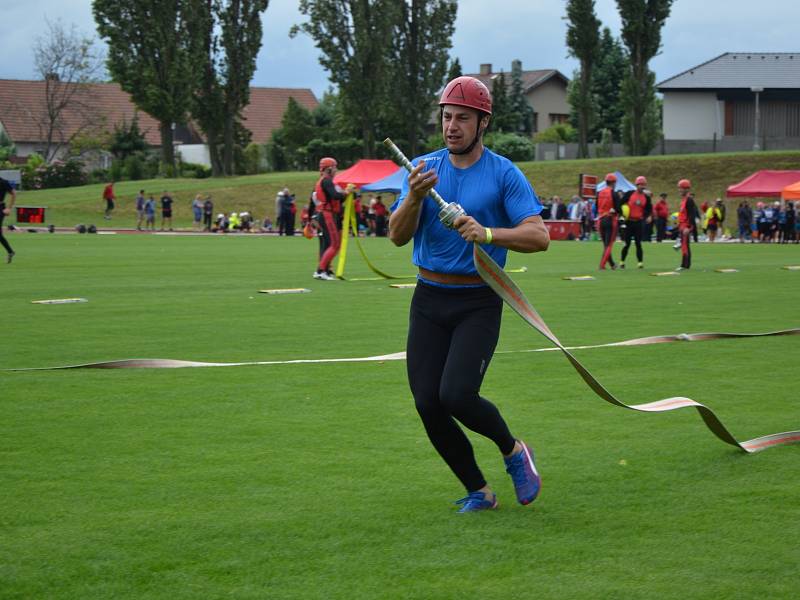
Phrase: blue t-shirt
(493, 191)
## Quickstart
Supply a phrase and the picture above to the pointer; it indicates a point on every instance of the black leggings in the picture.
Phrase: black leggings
(3, 240)
(633, 232)
(452, 335)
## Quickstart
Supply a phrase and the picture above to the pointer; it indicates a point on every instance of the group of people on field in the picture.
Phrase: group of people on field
(632, 214)
(770, 222)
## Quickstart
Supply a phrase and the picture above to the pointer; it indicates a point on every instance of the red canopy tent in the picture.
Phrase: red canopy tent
(763, 184)
(368, 171)
(791, 192)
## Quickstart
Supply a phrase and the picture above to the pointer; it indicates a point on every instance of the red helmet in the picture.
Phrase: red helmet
(326, 163)
(467, 91)
(684, 184)
(641, 180)
(611, 177)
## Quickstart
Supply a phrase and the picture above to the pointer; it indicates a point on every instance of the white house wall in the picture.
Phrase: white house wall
(693, 116)
(195, 153)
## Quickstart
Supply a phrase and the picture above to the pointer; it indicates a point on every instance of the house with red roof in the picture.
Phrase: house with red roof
(96, 108)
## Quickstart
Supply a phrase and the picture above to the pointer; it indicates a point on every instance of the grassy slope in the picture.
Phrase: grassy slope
(711, 174)
(316, 481)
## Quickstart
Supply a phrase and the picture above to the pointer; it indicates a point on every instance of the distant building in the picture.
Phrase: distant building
(545, 89)
(22, 103)
(717, 101)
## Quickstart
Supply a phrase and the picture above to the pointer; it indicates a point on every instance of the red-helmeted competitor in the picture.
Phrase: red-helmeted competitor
(454, 319)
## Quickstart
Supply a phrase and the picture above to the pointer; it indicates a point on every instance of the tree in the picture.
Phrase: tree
(518, 103)
(503, 117)
(454, 70)
(420, 50)
(609, 72)
(67, 63)
(352, 37)
(149, 55)
(241, 40)
(127, 139)
(583, 42)
(642, 21)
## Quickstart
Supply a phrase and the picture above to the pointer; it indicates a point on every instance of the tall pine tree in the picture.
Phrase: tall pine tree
(642, 21)
(519, 104)
(421, 43)
(583, 42)
(352, 37)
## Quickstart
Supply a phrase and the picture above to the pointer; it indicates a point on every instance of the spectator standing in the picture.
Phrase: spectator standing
(587, 219)
(573, 208)
(287, 214)
(208, 212)
(559, 209)
(109, 197)
(380, 217)
(744, 216)
(661, 211)
(6, 188)
(713, 217)
(166, 210)
(150, 213)
(790, 225)
(140, 210)
(197, 212)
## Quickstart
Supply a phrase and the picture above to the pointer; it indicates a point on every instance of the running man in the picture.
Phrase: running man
(686, 222)
(6, 188)
(454, 317)
(640, 211)
(607, 220)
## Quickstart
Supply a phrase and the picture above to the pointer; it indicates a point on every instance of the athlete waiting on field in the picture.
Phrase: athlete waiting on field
(454, 317)
(687, 216)
(640, 212)
(329, 210)
(607, 220)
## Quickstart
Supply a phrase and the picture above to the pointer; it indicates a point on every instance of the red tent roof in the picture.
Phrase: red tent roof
(763, 184)
(368, 171)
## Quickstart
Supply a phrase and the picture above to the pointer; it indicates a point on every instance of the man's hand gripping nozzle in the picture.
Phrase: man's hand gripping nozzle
(448, 211)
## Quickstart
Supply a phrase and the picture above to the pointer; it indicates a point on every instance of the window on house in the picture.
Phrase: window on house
(556, 119)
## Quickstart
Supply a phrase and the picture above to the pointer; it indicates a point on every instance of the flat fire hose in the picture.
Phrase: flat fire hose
(502, 284)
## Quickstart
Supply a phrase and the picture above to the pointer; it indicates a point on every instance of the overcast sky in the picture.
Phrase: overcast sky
(487, 31)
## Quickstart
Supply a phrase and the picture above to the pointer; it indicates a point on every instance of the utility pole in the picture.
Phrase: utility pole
(757, 91)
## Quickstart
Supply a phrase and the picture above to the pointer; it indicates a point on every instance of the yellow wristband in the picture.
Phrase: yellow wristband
(488, 236)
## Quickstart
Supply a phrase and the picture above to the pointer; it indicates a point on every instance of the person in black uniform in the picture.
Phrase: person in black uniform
(6, 188)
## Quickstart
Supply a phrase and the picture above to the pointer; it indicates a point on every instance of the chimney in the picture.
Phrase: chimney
(516, 64)
(486, 69)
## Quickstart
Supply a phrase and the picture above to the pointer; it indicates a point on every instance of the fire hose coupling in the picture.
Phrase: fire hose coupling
(448, 211)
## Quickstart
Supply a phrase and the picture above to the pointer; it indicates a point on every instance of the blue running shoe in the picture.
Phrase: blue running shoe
(522, 469)
(476, 501)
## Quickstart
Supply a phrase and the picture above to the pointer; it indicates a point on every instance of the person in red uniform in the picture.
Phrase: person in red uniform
(640, 211)
(661, 210)
(607, 220)
(109, 197)
(329, 208)
(686, 222)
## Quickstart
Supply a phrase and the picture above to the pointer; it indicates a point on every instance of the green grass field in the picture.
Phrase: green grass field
(317, 481)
